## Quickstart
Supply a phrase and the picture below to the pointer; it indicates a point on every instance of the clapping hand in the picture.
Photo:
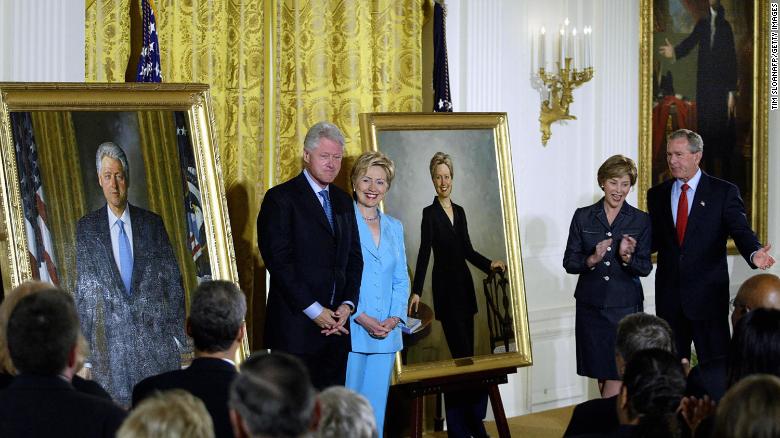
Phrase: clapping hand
(694, 411)
(627, 248)
(598, 254)
(763, 259)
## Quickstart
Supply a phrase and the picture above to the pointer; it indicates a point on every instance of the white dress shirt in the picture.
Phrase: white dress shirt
(677, 191)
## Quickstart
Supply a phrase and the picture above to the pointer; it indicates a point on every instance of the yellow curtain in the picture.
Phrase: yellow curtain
(58, 158)
(164, 188)
(107, 37)
(337, 58)
(332, 59)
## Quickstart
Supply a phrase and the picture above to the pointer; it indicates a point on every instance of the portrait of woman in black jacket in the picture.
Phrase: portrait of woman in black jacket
(444, 230)
(609, 248)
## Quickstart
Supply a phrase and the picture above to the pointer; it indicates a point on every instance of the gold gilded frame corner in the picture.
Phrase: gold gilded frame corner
(194, 99)
(760, 116)
(370, 125)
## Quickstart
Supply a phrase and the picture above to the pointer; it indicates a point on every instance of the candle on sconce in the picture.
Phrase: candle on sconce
(542, 43)
(562, 48)
(588, 61)
(573, 48)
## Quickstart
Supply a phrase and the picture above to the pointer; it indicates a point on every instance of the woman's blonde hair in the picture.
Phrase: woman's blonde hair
(373, 158)
(6, 307)
(174, 413)
(441, 158)
(617, 166)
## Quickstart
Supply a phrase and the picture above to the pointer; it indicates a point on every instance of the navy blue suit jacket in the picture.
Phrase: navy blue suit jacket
(695, 276)
(207, 378)
(308, 261)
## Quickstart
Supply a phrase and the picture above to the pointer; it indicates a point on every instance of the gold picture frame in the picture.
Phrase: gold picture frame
(747, 164)
(483, 184)
(158, 122)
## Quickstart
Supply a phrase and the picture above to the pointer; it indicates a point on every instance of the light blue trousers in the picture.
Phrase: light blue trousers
(369, 375)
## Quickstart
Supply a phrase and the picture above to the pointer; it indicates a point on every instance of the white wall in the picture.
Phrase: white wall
(489, 63)
(42, 40)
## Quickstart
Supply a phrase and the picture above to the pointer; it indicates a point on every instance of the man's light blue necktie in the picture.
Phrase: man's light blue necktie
(125, 257)
(326, 205)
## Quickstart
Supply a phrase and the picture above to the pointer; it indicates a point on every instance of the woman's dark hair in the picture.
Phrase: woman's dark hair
(755, 347)
(654, 382)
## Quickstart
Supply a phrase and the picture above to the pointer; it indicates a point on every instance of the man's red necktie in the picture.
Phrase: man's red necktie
(682, 213)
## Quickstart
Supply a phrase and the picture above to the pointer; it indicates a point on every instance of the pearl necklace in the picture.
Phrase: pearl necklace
(371, 219)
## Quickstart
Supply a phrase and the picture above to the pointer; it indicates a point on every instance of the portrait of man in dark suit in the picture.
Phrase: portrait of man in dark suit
(309, 241)
(129, 291)
(692, 216)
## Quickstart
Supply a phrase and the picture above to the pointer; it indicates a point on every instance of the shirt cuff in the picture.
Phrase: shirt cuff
(350, 304)
(751, 256)
(313, 310)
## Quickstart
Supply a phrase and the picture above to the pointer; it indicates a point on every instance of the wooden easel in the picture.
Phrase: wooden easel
(487, 380)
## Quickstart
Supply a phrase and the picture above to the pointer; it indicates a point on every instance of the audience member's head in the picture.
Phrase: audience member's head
(6, 307)
(345, 413)
(43, 332)
(755, 347)
(653, 385)
(750, 409)
(216, 321)
(760, 291)
(272, 397)
(641, 331)
(170, 414)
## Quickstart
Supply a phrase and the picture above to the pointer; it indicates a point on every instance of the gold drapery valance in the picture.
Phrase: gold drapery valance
(275, 68)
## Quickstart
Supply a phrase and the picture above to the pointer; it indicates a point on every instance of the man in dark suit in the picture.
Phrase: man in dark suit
(41, 402)
(309, 241)
(716, 85)
(216, 325)
(636, 332)
(129, 290)
(692, 216)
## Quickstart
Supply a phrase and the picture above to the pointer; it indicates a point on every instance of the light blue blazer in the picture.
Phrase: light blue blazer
(384, 289)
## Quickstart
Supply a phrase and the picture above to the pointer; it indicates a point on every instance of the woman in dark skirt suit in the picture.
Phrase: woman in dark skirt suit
(445, 230)
(609, 247)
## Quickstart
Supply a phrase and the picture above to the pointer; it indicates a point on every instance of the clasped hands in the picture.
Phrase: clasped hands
(332, 322)
(376, 329)
(625, 251)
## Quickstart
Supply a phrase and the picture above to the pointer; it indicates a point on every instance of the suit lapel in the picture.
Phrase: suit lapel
(366, 240)
(666, 210)
(312, 203)
(139, 225)
(442, 215)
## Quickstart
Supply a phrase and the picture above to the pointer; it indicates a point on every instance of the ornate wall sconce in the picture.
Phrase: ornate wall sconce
(572, 67)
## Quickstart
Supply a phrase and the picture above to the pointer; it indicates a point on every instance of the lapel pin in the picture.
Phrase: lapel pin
(703, 203)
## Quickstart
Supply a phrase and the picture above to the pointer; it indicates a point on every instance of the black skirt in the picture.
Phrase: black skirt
(595, 330)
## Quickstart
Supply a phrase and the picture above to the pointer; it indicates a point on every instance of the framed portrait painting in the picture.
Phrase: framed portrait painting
(486, 309)
(703, 67)
(58, 187)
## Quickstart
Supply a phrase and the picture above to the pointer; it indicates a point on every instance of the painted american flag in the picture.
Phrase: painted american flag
(196, 230)
(39, 243)
(149, 68)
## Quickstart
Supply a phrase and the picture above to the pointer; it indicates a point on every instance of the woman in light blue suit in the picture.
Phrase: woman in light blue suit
(384, 289)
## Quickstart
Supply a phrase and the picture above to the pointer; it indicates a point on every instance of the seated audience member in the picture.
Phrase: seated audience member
(653, 385)
(750, 409)
(755, 348)
(42, 335)
(635, 332)
(170, 414)
(272, 397)
(216, 326)
(7, 369)
(760, 291)
(344, 412)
